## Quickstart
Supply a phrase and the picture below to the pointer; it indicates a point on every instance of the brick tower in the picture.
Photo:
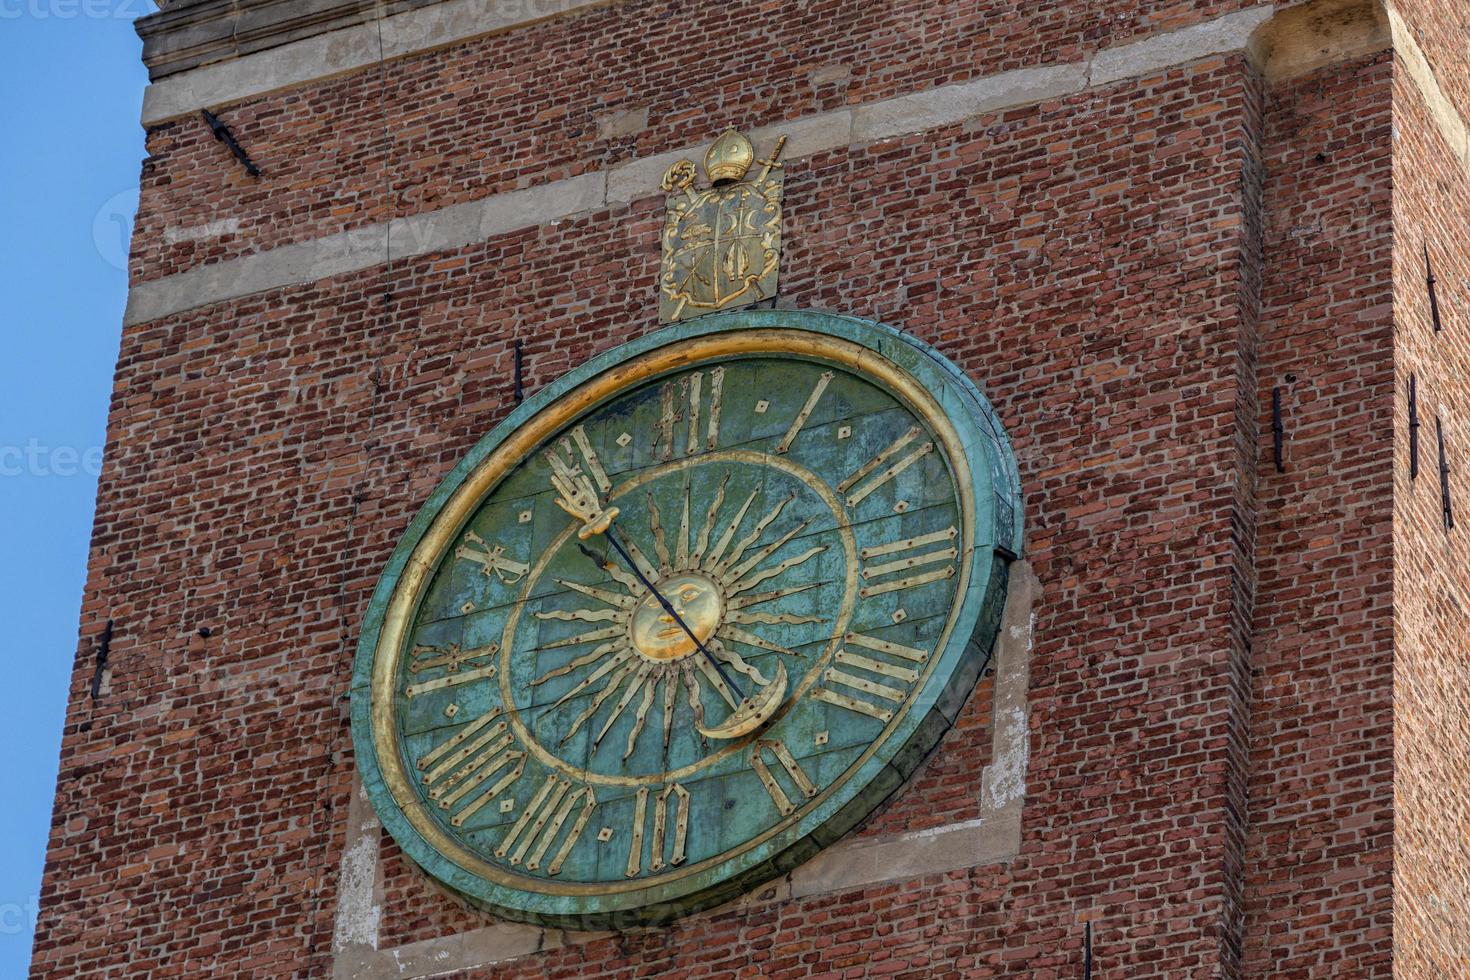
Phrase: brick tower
(1207, 260)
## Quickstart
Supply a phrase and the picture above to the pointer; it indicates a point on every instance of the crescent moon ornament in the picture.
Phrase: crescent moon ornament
(753, 712)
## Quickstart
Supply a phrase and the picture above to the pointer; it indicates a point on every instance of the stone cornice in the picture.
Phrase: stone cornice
(459, 225)
(1278, 53)
(213, 52)
(185, 35)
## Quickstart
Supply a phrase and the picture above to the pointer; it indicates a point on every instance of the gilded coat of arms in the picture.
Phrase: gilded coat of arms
(722, 245)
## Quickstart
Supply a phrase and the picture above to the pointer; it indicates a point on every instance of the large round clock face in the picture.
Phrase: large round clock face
(686, 618)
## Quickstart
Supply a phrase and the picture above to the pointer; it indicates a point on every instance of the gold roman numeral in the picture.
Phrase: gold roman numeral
(805, 413)
(463, 666)
(864, 481)
(491, 559)
(541, 821)
(703, 431)
(793, 771)
(674, 798)
(693, 384)
(580, 458)
(869, 674)
(456, 769)
(907, 556)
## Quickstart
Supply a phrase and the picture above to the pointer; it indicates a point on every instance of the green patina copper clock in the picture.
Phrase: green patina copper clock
(687, 616)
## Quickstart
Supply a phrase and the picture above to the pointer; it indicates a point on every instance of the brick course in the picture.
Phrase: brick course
(1431, 737)
(526, 107)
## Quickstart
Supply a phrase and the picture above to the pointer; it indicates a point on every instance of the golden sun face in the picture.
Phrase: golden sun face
(657, 636)
(707, 573)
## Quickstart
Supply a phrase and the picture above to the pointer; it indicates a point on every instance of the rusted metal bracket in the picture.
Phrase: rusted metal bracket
(222, 133)
(1414, 425)
(1431, 282)
(104, 649)
(1446, 508)
(1278, 431)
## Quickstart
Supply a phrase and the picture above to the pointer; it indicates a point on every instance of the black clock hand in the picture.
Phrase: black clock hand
(579, 498)
(668, 607)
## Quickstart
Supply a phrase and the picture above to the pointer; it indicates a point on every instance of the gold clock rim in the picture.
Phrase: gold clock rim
(536, 431)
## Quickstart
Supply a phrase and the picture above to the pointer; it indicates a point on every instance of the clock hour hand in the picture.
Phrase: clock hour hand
(579, 497)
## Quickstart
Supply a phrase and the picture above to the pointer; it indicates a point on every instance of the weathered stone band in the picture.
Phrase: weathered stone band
(474, 221)
(318, 57)
(464, 224)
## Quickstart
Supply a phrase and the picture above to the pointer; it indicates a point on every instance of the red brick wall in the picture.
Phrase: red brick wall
(1321, 757)
(1431, 566)
(1095, 261)
(1440, 28)
(523, 108)
(1132, 467)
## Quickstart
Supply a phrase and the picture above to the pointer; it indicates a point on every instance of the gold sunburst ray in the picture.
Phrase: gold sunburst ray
(613, 570)
(618, 661)
(670, 692)
(768, 619)
(601, 595)
(608, 690)
(660, 546)
(712, 560)
(757, 598)
(702, 543)
(744, 543)
(746, 584)
(737, 635)
(639, 558)
(583, 661)
(717, 682)
(691, 688)
(627, 580)
(681, 547)
(591, 636)
(583, 615)
(640, 716)
(735, 660)
(634, 686)
(736, 573)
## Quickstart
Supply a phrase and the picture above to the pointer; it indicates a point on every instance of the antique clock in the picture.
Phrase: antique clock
(687, 616)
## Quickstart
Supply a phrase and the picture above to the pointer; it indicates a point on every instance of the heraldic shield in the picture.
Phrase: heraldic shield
(721, 246)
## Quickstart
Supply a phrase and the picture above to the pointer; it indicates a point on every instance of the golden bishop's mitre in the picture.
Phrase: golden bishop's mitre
(728, 158)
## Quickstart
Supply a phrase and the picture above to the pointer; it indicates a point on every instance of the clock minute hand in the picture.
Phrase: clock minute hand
(580, 499)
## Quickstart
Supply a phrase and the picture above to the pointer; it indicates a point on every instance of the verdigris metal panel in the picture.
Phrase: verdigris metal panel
(685, 617)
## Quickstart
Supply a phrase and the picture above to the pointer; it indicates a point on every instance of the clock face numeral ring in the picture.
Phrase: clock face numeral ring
(686, 614)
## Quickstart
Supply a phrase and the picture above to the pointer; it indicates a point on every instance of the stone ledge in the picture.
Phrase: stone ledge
(182, 36)
(211, 53)
(464, 224)
(342, 36)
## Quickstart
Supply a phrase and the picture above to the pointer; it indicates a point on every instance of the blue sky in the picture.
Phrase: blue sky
(70, 149)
